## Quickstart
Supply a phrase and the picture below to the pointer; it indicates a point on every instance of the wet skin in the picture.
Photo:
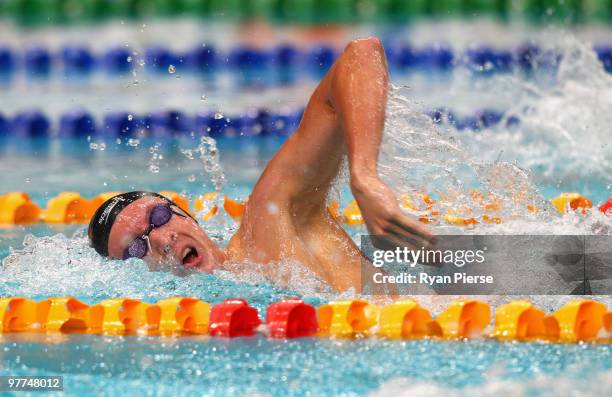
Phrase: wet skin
(181, 241)
(286, 216)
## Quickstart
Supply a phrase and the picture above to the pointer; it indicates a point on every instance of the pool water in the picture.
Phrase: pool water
(561, 144)
(198, 366)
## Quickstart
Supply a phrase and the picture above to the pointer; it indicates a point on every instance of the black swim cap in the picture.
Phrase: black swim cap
(104, 218)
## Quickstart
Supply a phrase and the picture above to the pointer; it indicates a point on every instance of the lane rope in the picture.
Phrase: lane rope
(519, 320)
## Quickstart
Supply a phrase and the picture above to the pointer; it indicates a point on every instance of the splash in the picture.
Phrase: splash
(565, 123)
(562, 139)
(62, 266)
(208, 154)
(419, 157)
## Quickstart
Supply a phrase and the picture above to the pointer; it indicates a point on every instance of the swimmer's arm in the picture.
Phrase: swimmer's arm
(345, 115)
(359, 96)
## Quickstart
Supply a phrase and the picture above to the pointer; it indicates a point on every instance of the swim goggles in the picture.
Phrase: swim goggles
(160, 215)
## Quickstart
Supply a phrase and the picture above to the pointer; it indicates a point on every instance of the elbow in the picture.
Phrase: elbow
(368, 54)
(366, 48)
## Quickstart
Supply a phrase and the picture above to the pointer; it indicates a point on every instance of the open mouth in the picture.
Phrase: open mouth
(190, 257)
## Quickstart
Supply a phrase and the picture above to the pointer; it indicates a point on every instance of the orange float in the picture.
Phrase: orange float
(572, 201)
(352, 214)
(404, 319)
(521, 320)
(123, 315)
(68, 207)
(234, 208)
(63, 315)
(17, 315)
(177, 199)
(580, 320)
(206, 204)
(464, 319)
(347, 318)
(180, 314)
(17, 208)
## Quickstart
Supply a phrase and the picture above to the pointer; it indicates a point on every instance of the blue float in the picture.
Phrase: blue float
(37, 61)
(202, 59)
(7, 61)
(77, 123)
(159, 59)
(320, 59)
(78, 60)
(118, 60)
(30, 124)
(604, 53)
(119, 124)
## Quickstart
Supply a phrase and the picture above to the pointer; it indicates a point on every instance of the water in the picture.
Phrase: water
(560, 145)
(309, 367)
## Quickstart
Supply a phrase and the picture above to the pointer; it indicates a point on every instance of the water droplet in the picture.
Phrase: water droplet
(130, 117)
(203, 97)
(191, 178)
(129, 59)
(218, 115)
(171, 69)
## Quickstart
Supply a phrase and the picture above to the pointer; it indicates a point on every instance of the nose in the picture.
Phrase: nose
(161, 240)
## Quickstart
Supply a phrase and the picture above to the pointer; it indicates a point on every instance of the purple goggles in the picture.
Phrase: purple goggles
(160, 215)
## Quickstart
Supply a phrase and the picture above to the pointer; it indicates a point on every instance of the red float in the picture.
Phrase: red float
(233, 318)
(606, 207)
(291, 318)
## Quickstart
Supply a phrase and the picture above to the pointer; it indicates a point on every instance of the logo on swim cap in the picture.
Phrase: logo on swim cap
(115, 200)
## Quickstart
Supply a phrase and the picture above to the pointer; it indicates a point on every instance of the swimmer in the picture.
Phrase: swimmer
(286, 216)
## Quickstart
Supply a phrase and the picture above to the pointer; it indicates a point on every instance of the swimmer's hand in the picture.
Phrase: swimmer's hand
(384, 217)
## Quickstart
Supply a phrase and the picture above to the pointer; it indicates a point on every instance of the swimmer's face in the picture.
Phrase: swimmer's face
(179, 245)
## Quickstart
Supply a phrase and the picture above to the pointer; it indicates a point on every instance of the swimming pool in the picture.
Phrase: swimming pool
(562, 139)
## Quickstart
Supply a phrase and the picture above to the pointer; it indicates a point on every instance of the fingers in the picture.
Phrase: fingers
(403, 238)
(392, 239)
(404, 226)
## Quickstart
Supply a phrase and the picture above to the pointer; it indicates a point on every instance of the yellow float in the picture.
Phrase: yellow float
(352, 214)
(347, 318)
(572, 202)
(189, 315)
(464, 319)
(17, 208)
(521, 320)
(68, 207)
(405, 319)
(63, 315)
(17, 315)
(580, 320)
(123, 315)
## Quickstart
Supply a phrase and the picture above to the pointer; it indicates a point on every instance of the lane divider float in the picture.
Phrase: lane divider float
(520, 320)
(282, 63)
(17, 208)
(172, 123)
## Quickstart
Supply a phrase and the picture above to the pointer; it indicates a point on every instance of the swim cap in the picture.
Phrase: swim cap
(104, 218)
